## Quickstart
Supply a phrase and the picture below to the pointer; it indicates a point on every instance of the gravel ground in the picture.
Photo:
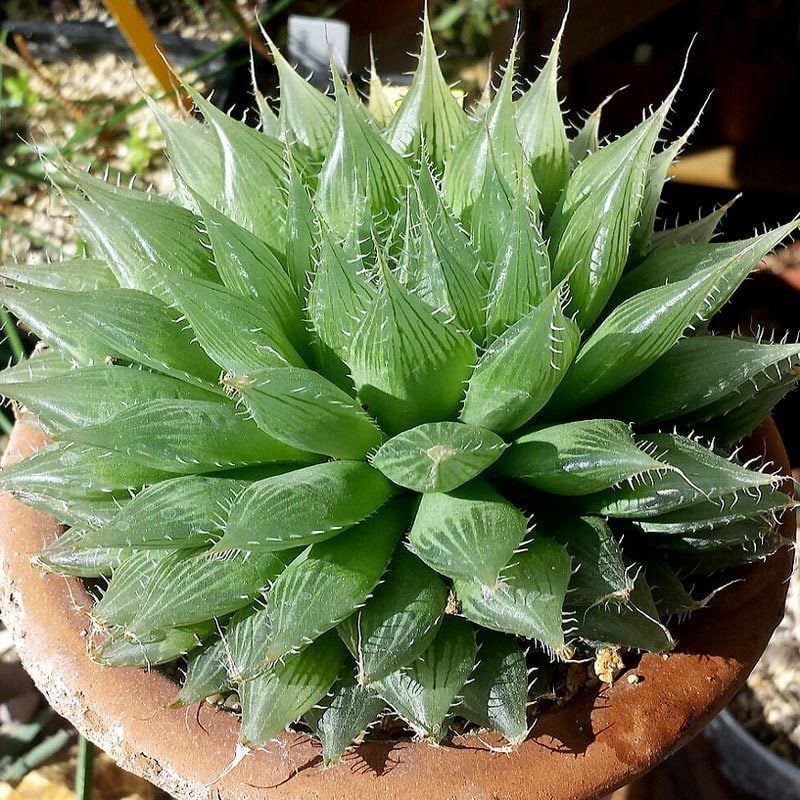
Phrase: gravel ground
(769, 706)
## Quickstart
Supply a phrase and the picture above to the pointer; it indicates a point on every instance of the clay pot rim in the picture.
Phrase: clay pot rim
(591, 745)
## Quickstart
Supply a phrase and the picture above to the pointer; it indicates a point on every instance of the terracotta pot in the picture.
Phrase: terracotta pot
(589, 746)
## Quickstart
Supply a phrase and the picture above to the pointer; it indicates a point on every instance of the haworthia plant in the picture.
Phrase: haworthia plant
(391, 412)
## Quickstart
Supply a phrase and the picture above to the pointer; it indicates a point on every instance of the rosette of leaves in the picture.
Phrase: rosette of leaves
(357, 419)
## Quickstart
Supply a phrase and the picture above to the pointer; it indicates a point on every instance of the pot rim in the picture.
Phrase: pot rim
(588, 746)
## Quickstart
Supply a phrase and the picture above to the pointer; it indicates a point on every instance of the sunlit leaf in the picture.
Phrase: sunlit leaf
(471, 532)
(521, 274)
(408, 366)
(92, 395)
(253, 174)
(131, 229)
(77, 274)
(519, 371)
(176, 513)
(359, 162)
(542, 132)
(429, 113)
(241, 334)
(112, 323)
(697, 474)
(424, 693)
(302, 409)
(304, 506)
(342, 717)
(438, 456)
(288, 689)
(187, 436)
(699, 372)
(579, 457)
(496, 695)
(590, 244)
(398, 623)
(327, 581)
(529, 597)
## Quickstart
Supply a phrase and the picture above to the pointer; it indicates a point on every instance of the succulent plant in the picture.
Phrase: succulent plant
(357, 420)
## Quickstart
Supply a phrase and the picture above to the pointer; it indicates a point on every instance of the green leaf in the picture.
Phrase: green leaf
(250, 269)
(287, 690)
(641, 329)
(576, 458)
(193, 154)
(633, 623)
(520, 278)
(327, 581)
(701, 372)
(732, 261)
(472, 532)
(131, 230)
(175, 513)
(697, 474)
(732, 424)
(307, 117)
(70, 474)
(77, 274)
(496, 696)
(206, 675)
(302, 409)
(304, 506)
(92, 395)
(492, 147)
(700, 231)
(491, 208)
(127, 590)
(754, 541)
(253, 174)
(116, 649)
(342, 717)
(439, 263)
(718, 511)
(301, 232)
(187, 436)
(429, 114)
(600, 574)
(657, 174)
(398, 623)
(246, 639)
(587, 138)
(240, 334)
(339, 297)
(380, 103)
(359, 163)
(408, 366)
(424, 693)
(438, 456)
(117, 323)
(70, 555)
(188, 587)
(669, 594)
(590, 244)
(517, 374)
(542, 132)
(529, 597)
(46, 363)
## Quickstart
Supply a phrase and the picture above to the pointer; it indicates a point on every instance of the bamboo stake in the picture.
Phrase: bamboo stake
(143, 42)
